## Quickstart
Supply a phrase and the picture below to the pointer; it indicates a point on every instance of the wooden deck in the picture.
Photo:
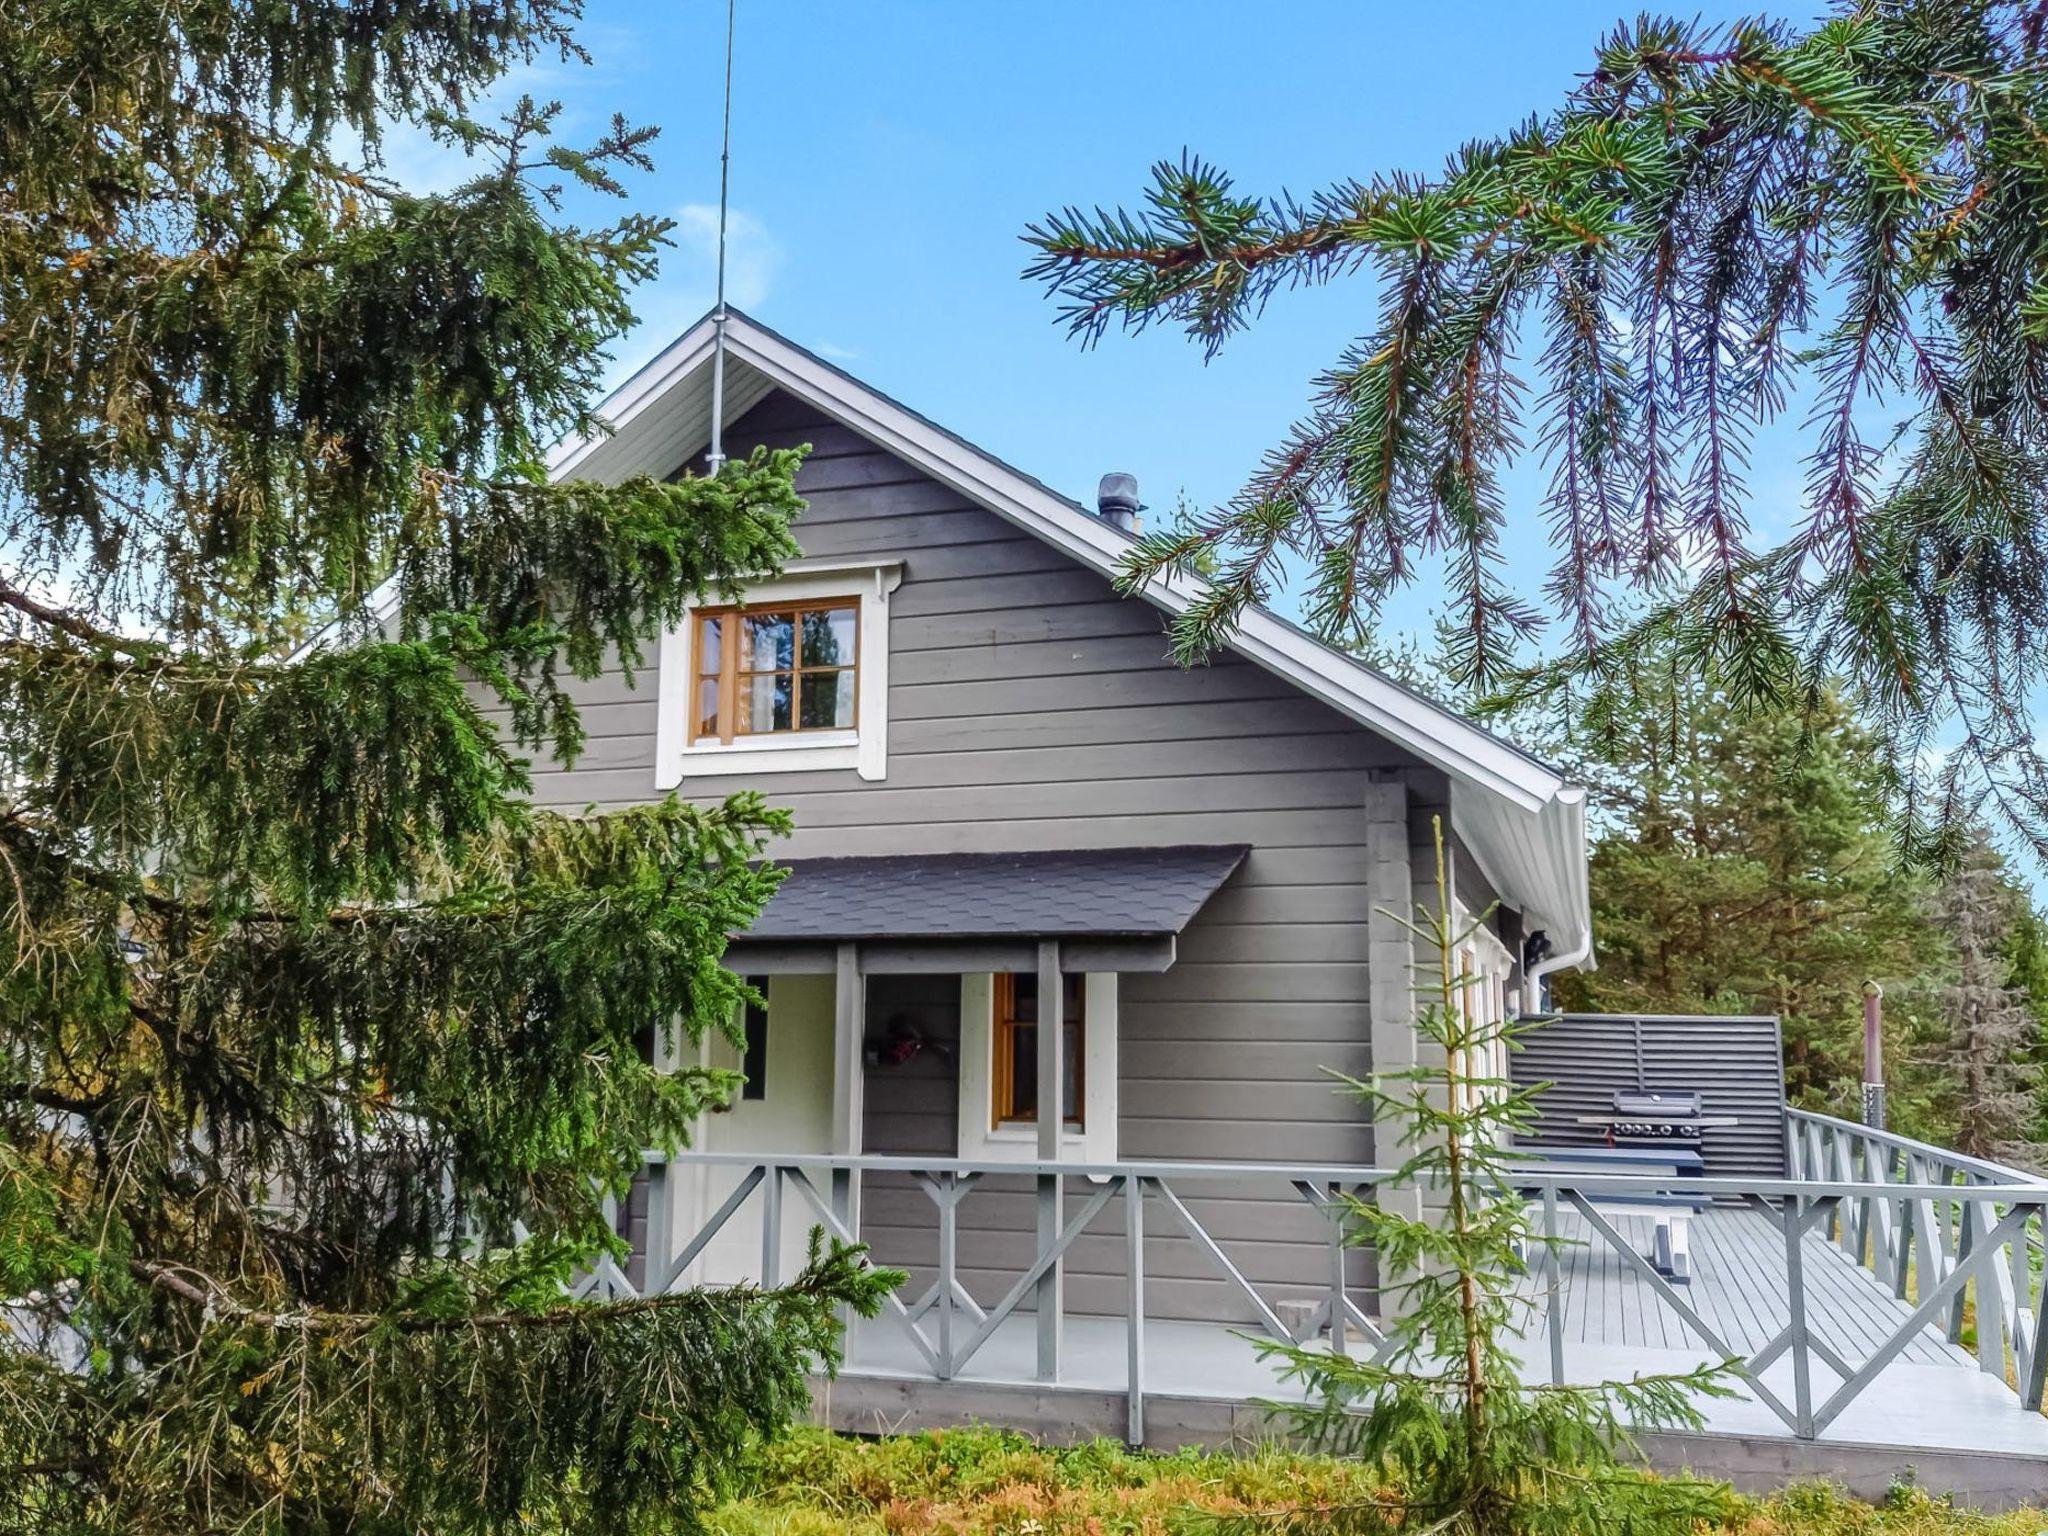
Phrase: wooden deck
(1831, 1374)
(1933, 1410)
(1739, 1288)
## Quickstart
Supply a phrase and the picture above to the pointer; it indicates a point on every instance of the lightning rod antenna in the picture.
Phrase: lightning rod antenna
(715, 459)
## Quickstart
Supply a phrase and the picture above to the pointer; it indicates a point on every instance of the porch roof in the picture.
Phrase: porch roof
(1066, 893)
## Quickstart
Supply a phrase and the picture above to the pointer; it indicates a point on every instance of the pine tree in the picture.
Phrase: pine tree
(1469, 1448)
(1741, 863)
(1722, 221)
(303, 1010)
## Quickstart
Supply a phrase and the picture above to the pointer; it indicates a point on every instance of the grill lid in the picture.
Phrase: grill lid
(1668, 1104)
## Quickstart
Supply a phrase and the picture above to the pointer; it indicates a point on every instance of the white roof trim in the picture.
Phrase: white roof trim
(649, 383)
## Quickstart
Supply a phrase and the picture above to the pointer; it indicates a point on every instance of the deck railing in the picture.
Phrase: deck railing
(1914, 1242)
(1945, 1235)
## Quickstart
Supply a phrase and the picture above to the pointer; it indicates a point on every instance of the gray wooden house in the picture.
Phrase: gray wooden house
(998, 775)
(1039, 864)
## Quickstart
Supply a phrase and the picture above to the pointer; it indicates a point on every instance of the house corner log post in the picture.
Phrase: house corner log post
(1390, 962)
(1049, 1298)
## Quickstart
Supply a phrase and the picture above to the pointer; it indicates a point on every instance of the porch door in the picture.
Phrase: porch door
(788, 1109)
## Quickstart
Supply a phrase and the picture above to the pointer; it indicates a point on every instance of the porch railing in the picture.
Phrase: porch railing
(1945, 1237)
(944, 1324)
(1914, 1227)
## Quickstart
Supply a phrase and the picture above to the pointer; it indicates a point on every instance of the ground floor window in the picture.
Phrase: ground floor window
(999, 1093)
(1015, 1095)
(754, 1057)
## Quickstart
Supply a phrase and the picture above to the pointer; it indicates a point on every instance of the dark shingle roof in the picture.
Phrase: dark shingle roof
(1102, 891)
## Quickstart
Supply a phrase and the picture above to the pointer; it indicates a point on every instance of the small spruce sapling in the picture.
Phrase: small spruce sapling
(1466, 1446)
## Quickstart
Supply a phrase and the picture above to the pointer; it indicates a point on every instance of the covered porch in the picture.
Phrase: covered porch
(915, 1006)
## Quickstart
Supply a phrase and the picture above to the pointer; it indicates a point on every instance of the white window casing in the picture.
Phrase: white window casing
(1488, 966)
(865, 748)
(983, 1141)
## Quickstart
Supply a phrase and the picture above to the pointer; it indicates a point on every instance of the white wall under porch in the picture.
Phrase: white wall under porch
(823, 1024)
(792, 1116)
(931, 1103)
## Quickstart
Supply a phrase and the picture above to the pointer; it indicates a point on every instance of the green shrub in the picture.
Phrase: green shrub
(992, 1482)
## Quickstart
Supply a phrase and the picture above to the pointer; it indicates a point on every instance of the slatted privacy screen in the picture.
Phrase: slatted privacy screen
(1736, 1064)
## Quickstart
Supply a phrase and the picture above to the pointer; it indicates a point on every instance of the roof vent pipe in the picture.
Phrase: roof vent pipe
(1116, 501)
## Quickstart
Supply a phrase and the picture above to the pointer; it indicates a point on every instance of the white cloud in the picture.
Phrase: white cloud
(833, 350)
(751, 254)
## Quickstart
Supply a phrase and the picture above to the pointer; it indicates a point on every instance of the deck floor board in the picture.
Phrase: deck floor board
(1738, 1288)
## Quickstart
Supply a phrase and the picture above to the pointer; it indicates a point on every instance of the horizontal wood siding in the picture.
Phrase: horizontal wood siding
(1031, 707)
(914, 1108)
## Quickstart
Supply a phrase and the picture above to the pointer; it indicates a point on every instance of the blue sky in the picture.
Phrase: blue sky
(887, 156)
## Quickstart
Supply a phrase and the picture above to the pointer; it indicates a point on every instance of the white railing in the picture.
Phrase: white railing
(1915, 1242)
(1941, 1233)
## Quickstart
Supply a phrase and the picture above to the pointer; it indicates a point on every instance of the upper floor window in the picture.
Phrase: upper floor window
(765, 671)
(788, 675)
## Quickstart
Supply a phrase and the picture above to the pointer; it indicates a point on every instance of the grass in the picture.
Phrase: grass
(982, 1482)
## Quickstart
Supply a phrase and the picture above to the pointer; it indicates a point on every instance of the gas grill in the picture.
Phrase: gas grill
(1649, 1134)
(1666, 1118)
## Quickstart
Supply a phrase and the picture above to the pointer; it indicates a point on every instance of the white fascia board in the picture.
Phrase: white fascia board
(1435, 734)
(1564, 834)
(655, 377)
(1538, 861)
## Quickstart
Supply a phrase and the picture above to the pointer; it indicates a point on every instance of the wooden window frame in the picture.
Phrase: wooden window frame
(730, 672)
(1002, 1081)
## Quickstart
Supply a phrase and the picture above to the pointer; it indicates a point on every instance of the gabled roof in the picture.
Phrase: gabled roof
(1521, 818)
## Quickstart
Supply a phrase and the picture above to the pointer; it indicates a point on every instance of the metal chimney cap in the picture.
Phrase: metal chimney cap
(1116, 500)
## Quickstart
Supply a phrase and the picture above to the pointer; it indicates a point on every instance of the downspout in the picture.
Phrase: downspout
(1532, 981)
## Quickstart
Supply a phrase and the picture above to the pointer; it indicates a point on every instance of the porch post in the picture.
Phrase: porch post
(1390, 979)
(849, 1079)
(1052, 1037)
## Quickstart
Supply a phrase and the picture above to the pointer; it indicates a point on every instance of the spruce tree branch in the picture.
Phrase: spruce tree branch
(84, 1106)
(204, 1291)
(301, 157)
(1311, 239)
(77, 628)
